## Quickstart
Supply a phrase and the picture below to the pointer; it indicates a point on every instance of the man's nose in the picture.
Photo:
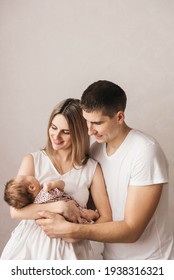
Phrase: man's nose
(91, 130)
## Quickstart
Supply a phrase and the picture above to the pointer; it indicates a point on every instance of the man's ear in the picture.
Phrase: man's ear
(120, 116)
(31, 188)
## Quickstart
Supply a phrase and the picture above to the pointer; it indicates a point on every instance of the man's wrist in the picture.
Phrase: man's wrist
(77, 231)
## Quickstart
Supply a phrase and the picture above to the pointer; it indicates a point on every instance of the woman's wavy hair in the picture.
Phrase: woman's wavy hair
(70, 109)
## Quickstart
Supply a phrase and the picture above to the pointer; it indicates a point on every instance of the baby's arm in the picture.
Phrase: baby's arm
(50, 185)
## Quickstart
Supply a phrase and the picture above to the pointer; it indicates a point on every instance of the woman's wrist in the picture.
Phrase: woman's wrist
(57, 207)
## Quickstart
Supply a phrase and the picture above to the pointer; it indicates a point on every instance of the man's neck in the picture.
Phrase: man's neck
(113, 145)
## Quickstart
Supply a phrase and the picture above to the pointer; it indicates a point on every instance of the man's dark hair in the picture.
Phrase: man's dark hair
(104, 96)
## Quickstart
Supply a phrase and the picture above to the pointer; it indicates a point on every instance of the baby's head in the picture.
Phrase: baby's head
(21, 191)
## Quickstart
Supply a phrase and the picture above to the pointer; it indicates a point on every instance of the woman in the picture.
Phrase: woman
(65, 157)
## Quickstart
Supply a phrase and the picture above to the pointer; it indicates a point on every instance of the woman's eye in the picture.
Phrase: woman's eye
(53, 127)
(66, 131)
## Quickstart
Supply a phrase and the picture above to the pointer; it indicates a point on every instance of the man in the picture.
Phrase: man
(136, 175)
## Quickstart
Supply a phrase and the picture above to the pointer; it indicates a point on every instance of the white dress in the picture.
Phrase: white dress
(28, 241)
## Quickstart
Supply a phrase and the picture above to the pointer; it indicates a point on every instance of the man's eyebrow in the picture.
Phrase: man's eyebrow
(97, 122)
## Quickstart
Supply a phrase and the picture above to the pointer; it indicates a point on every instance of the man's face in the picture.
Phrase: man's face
(102, 127)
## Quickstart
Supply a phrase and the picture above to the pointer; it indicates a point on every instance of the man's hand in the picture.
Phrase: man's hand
(54, 226)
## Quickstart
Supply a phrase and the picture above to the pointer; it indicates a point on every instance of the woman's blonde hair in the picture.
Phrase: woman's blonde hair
(70, 109)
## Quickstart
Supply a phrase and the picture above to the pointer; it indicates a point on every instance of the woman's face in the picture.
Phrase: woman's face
(59, 133)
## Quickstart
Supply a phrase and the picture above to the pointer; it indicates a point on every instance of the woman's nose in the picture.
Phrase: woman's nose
(58, 134)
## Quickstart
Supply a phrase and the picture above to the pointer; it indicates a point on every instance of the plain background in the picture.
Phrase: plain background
(53, 49)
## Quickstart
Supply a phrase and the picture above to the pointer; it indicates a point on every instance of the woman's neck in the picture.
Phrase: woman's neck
(63, 162)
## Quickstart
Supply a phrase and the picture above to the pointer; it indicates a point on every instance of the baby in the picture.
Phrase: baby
(23, 190)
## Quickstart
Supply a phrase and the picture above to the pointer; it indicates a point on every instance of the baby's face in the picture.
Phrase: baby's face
(29, 179)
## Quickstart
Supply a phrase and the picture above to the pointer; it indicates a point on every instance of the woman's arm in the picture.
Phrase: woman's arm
(100, 197)
(27, 166)
(68, 209)
(31, 211)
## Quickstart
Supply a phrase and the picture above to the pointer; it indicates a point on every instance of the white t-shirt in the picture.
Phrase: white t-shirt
(139, 161)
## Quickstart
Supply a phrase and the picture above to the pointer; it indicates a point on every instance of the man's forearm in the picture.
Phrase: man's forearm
(55, 226)
(112, 232)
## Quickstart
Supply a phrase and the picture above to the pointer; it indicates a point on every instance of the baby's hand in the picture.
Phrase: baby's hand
(48, 186)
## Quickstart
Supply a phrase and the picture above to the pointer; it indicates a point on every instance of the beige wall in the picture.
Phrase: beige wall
(52, 49)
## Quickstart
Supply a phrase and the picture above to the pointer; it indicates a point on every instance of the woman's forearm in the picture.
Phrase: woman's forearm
(32, 211)
(104, 219)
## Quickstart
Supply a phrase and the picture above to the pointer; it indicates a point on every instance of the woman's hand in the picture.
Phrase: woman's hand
(75, 214)
(92, 215)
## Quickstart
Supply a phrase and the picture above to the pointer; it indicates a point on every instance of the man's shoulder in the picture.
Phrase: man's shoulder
(143, 138)
(147, 145)
(96, 150)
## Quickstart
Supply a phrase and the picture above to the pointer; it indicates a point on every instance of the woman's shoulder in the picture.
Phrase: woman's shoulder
(36, 154)
(92, 161)
(91, 164)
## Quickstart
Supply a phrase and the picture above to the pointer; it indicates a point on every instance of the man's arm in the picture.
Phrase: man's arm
(140, 206)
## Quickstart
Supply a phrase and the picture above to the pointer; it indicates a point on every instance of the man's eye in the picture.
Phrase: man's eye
(97, 123)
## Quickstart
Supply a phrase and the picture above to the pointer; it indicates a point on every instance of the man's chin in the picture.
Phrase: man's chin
(99, 139)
